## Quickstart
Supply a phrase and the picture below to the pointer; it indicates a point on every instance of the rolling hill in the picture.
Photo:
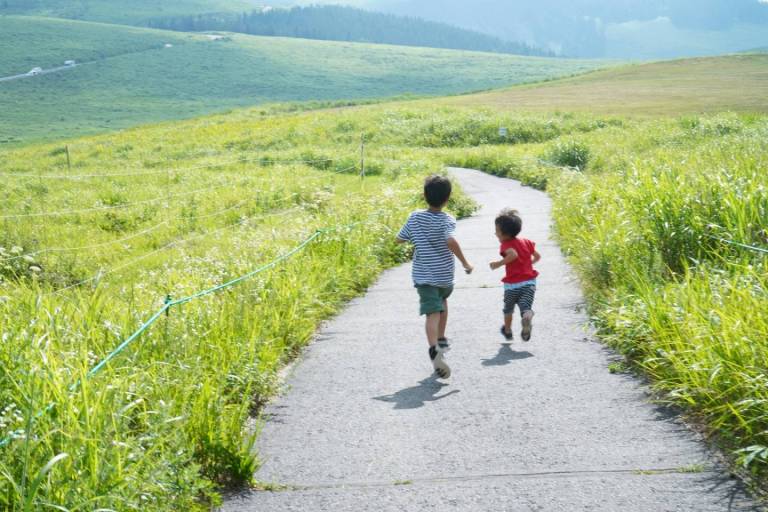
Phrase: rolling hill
(133, 12)
(735, 82)
(150, 82)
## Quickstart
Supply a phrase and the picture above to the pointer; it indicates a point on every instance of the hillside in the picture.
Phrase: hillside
(737, 83)
(134, 12)
(343, 23)
(48, 42)
(202, 76)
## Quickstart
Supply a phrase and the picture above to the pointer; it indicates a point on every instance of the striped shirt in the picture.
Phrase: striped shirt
(432, 262)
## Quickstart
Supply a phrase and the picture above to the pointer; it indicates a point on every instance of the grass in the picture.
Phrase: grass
(133, 12)
(48, 42)
(198, 76)
(670, 88)
(636, 216)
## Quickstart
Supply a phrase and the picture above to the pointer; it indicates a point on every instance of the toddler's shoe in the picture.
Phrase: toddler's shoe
(507, 335)
(526, 332)
(443, 345)
(438, 362)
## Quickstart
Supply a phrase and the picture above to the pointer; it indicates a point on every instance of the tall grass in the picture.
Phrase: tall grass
(650, 240)
(169, 421)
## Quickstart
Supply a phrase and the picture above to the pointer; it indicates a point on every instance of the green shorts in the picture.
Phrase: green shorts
(431, 298)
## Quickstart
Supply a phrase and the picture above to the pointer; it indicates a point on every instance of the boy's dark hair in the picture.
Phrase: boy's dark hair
(509, 223)
(437, 190)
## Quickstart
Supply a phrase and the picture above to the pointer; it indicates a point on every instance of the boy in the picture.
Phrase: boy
(431, 232)
(518, 256)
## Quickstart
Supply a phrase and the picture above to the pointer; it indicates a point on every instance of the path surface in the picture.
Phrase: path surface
(539, 426)
(41, 73)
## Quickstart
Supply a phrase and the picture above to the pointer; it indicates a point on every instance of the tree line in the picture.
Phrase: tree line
(339, 23)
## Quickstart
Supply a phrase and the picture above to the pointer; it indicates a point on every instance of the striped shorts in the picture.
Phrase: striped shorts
(522, 296)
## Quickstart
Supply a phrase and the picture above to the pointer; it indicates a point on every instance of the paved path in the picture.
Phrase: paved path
(539, 426)
(41, 73)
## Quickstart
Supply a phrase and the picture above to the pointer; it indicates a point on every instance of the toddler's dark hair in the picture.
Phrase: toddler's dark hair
(509, 222)
(437, 190)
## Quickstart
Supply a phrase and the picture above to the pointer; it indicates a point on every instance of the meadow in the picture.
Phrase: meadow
(137, 80)
(133, 12)
(663, 218)
(734, 83)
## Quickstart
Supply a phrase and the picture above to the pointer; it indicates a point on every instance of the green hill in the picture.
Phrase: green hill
(735, 82)
(196, 75)
(134, 12)
(48, 42)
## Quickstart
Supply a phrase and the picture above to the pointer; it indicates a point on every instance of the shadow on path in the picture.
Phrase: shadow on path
(416, 396)
(506, 355)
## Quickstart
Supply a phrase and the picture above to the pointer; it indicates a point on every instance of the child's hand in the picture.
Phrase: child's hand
(495, 265)
(468, 268)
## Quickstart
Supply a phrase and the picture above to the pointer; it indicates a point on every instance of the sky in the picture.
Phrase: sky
(635, 29)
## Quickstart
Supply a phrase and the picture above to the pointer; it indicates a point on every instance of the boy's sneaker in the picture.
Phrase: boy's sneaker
(507, 335)
(443, 345)
(526, 332)
(438, 362)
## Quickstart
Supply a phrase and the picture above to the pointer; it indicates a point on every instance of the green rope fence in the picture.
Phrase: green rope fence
(168, 304)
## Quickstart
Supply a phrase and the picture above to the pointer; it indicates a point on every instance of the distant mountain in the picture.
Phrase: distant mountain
(339, 23)
(601, 28)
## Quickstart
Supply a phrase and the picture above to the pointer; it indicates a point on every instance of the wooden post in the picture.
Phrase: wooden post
(69, 164)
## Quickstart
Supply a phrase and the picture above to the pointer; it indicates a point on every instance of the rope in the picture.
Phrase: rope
(119, 206)
(262, 159)
(173, 243)
(738, 244)
(85, 247)
(167, 305)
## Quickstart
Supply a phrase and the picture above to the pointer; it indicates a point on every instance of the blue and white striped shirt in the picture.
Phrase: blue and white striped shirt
(433, 261)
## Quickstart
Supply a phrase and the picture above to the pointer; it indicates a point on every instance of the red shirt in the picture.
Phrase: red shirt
(521, 269)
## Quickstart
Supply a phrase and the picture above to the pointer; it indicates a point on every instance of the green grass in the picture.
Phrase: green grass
(646, 221)
(48, 42)
(132, 12)
(168, 422)
(736, 83)
(201, 76)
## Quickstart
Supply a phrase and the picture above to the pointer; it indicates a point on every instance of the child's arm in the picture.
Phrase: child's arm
(536, 256)
(455, 248)
(509, 256)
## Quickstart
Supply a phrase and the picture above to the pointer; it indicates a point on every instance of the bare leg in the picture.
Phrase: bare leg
(432, 328)
(443, 321)
(526, 332)
(508, 323)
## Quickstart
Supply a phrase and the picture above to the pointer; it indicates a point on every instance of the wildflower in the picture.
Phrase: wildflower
(16, 249)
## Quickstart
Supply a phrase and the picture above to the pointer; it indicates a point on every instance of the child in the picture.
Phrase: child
(431, 231)
(518, 256)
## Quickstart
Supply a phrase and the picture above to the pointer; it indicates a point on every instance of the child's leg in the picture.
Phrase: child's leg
(526, 310)
(508, 322)
(443, 320)
(432, 325)
(509, 308)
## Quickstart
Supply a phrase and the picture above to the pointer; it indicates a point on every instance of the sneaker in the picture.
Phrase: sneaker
(438, 362)
(526, 332)
(443, 345)
(507, 335)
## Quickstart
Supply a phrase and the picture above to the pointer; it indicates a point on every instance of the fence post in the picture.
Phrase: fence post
(362, 155)
(69, 164)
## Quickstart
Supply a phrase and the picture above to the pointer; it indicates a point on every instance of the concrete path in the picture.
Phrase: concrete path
(537, 426)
